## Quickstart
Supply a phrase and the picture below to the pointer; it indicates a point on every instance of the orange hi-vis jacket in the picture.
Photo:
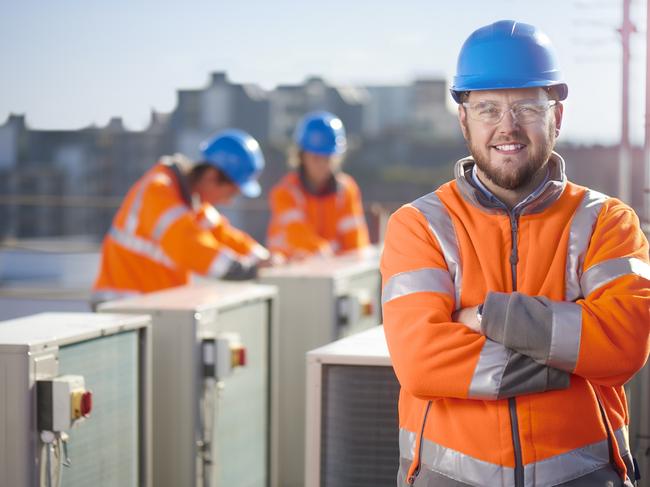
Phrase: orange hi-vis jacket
(304, 224)
(536, 398)
(158, 238)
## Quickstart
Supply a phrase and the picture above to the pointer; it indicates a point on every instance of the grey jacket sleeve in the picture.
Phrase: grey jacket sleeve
(502, 372)
(545, 330)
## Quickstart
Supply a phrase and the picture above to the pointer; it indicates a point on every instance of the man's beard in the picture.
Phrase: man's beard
(506, 175)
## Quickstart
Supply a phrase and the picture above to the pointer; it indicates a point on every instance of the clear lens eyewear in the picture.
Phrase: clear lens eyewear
(524, 113)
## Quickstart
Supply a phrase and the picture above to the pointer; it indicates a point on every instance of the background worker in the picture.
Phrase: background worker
(516, 303)
(168, 228)
(316, 209)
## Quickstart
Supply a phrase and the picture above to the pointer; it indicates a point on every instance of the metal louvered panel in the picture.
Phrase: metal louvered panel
(104, 450)
(359, 430)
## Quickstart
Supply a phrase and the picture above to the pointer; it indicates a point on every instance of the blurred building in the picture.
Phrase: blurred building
(55, 182)
(221, 104)
(290, 102)
(417, 112)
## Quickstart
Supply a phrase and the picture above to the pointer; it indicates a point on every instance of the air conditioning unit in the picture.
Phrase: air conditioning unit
(75, 400)
(352, 428)
(320, 300)
(211, 351)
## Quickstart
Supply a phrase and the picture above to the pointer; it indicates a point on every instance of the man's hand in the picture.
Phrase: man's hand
(467, 317)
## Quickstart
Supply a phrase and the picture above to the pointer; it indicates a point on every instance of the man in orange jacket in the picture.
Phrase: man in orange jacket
(317, 209)
(516, 303)
(168, 228)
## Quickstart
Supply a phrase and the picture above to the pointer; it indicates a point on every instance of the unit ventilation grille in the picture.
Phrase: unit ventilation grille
(359, 430)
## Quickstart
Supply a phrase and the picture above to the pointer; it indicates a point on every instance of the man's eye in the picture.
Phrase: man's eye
(528, 109)
(488, 109)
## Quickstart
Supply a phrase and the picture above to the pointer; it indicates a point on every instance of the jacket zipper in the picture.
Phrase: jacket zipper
(516, 442)
(512, 402)
(413, 476)
(514, 255)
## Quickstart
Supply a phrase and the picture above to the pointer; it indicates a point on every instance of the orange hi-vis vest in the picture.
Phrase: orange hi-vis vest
(304, 224)
(158, 239)
(536, 398)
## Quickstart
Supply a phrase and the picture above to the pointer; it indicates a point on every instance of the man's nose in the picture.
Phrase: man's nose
(509, 121)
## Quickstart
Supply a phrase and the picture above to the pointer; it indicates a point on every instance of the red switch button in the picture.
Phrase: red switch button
(238, 356)
(242, 356)
(86, 403)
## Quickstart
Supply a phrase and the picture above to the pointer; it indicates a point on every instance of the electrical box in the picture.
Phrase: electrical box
(352, 426)
(75, 398)
(61, 402)
(211, 382)
(320, 300)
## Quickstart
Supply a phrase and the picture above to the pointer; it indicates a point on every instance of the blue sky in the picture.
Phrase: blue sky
(69, 63)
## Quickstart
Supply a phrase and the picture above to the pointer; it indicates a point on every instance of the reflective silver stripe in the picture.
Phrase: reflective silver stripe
(221, 263)
(348, 223)
(132, 216)
(604, 272)
(622, 438)
(455, 464)
(407, 441)
(467, 469)
(290, 216)
(256, 254)
(140, 246)
(340, 195)
(442, 228)
(166, 220)
(259, 252)
(297, 195)
(211, 218)
(488, 374)
(566, 329)
(429, 280)
(567, 466)
(582, 227)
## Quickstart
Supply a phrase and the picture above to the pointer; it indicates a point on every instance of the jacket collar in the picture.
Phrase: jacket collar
(547, 194)
(331, 187)
(179, 166)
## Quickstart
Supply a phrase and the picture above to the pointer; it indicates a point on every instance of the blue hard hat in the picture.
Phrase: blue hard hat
(507, 54)
(321, 133)
(239, 156)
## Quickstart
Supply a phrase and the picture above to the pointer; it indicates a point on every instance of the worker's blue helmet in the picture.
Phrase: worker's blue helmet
(321, 133)
(239, 156)
(507, 54)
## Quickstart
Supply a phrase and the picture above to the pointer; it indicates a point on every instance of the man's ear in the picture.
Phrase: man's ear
(462, 119)
(559, 112)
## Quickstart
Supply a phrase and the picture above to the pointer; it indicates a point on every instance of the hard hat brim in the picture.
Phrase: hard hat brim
(250, 189)
(561, 88)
